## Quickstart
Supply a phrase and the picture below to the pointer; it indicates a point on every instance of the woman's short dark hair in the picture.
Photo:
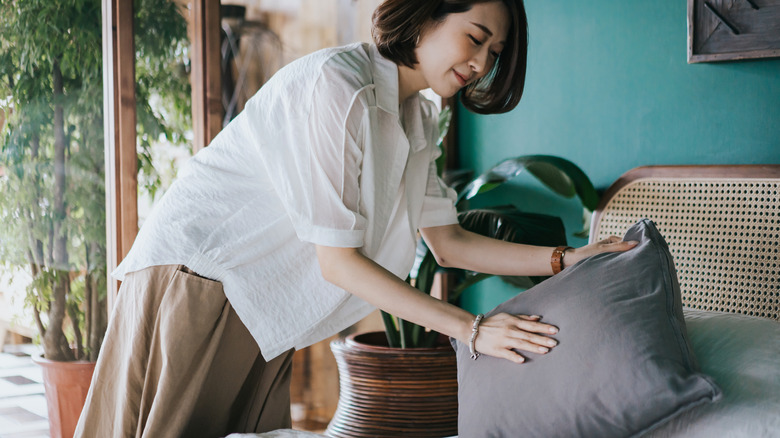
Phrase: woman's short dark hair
(398, 25)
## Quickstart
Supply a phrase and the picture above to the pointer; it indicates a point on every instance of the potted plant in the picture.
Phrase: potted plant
(404, 381)
(52, 198)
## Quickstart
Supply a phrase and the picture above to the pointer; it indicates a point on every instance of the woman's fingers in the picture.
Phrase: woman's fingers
(502, 335)
(513, 356)
(615, 243)
(525, 337)
(533, 338)
(529, 317)
(533, 325)
(610, 244)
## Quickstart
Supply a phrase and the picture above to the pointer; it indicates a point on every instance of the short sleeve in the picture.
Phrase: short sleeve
(314, 155)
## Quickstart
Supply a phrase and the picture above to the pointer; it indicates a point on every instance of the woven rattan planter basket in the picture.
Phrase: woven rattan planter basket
(389, 392)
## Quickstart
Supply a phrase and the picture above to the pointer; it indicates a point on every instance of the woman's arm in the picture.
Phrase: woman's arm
(457, 248)
(498, 335)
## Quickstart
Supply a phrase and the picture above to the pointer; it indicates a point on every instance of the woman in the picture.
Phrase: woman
(300, 218)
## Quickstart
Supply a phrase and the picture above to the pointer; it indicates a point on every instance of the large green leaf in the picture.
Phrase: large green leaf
(457, 179)
(560, 175)
(510, 224)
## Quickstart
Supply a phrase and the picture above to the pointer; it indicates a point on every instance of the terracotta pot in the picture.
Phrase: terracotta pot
(392, 391)
(66, 385)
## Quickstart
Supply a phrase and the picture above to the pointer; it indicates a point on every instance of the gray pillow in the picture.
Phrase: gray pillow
(623, 364)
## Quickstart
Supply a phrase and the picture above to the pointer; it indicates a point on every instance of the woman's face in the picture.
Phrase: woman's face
(462, 48)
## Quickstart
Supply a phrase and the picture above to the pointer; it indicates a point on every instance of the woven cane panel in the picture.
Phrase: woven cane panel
(724, 236)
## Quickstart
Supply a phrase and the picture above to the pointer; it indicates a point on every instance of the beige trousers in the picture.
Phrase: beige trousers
(177, 362)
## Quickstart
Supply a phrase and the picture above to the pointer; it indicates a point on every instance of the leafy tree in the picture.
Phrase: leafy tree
(52, 194)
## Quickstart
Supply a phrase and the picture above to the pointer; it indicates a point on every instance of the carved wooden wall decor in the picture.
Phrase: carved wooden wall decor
(726, 30)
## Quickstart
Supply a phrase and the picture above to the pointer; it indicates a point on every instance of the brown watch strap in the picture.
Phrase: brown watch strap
(557, 258)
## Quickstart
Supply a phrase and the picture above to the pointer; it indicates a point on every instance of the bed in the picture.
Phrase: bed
(722, 225)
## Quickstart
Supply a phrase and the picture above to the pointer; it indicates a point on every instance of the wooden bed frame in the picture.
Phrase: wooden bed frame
(722, 224)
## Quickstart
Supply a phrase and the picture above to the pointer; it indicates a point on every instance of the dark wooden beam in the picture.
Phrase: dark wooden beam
(119, 121)
(207, 110)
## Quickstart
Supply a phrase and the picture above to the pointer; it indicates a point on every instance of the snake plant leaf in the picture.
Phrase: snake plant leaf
(405, 331)
(426, 272)
(404, 334)
(391, 330)
(559, 174)
(417, 334)
(428, 339)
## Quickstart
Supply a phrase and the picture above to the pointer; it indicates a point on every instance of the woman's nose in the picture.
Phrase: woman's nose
(479, 62)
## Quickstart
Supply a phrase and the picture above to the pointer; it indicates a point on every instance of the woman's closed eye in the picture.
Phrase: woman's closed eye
(477, 42)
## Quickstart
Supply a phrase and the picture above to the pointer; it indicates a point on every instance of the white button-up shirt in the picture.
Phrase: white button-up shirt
(324, 155)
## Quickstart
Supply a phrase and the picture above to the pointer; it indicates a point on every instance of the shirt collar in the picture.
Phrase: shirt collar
(413, 122)
(385, 80)
(386, 88)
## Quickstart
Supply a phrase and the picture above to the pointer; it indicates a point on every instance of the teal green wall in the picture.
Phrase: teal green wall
(609, 88)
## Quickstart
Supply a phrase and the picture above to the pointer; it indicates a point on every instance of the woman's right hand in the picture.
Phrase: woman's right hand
(501, 334)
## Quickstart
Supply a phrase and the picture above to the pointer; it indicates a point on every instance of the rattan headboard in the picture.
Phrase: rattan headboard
(722, 224)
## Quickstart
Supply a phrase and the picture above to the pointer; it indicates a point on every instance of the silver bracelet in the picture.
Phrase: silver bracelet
(474, 332)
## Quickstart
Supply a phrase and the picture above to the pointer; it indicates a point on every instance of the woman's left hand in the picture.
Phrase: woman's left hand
(610, 244)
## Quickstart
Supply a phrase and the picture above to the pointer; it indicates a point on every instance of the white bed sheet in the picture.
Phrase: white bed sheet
(741, 353)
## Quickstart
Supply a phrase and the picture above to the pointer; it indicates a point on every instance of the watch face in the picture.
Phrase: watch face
(722, 30)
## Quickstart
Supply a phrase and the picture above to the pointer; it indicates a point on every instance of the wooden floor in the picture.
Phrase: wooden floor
(23, 411)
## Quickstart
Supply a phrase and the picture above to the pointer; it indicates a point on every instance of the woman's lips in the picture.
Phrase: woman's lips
(461, 80)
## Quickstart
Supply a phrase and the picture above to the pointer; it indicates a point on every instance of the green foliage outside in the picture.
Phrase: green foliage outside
(52, 170)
